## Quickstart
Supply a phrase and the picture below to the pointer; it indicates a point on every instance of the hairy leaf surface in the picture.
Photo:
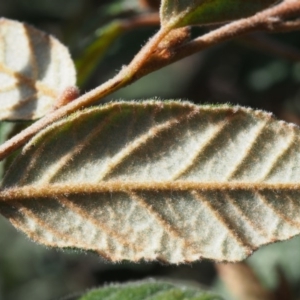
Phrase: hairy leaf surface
(148, 289)
(185, 12)
(34, 69)
(159, 180)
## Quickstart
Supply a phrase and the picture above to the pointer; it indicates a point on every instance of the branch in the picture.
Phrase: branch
(148, 60)
(143, 20)
(123, 78)
(242, 282)
(91, 56)
(270, 20)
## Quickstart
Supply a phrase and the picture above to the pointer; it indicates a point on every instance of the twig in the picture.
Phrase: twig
(270, 20)
(242, 282)
(123, 78)
(271, 46)
(147, 61)
(110, 32)
(144, 20)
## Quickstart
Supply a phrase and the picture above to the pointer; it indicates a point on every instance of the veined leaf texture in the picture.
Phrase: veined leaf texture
(34, 69)
(158, 180)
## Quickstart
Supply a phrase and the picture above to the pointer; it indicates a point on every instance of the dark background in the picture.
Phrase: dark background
(260, 71)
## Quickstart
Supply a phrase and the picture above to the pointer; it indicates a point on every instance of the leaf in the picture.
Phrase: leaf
(181, 13)
(278, 255)
(148, 289)
(158, 180)
(34, 69)
(94, 53)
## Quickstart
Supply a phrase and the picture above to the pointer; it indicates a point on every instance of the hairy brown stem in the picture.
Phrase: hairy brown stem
(147, 61)
(123, 78)
(269, 20)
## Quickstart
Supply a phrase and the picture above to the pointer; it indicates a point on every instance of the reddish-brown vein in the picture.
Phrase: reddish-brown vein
(279, 157)
(244, 217)
(49, 190)
(280, 214)
(32, 56)
(165, 224)
(8, 88)
(86, 216)
(42, 88)
(71, 154)
(225, 222)
(248, 149)
(19, 104)
(136, 144)
(219, 128)
(67, 242)
(27, 213)
(35, 159)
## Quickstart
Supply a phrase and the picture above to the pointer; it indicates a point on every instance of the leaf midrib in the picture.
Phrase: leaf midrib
(52, 190)
(35, 84)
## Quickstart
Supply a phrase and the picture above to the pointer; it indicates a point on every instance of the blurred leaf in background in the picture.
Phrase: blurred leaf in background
(156, 290)
(94, 53)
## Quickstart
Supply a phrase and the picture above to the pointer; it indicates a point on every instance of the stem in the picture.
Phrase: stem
(269, 20)
(146, 61)
(242, 282)
(144, 55)
(144, 20)
(123, 78)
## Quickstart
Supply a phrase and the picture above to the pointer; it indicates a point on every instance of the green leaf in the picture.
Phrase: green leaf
(279, 255)
(149, 289)
(34, 69)
(181, 13)
(95, 52)
(158, 180)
